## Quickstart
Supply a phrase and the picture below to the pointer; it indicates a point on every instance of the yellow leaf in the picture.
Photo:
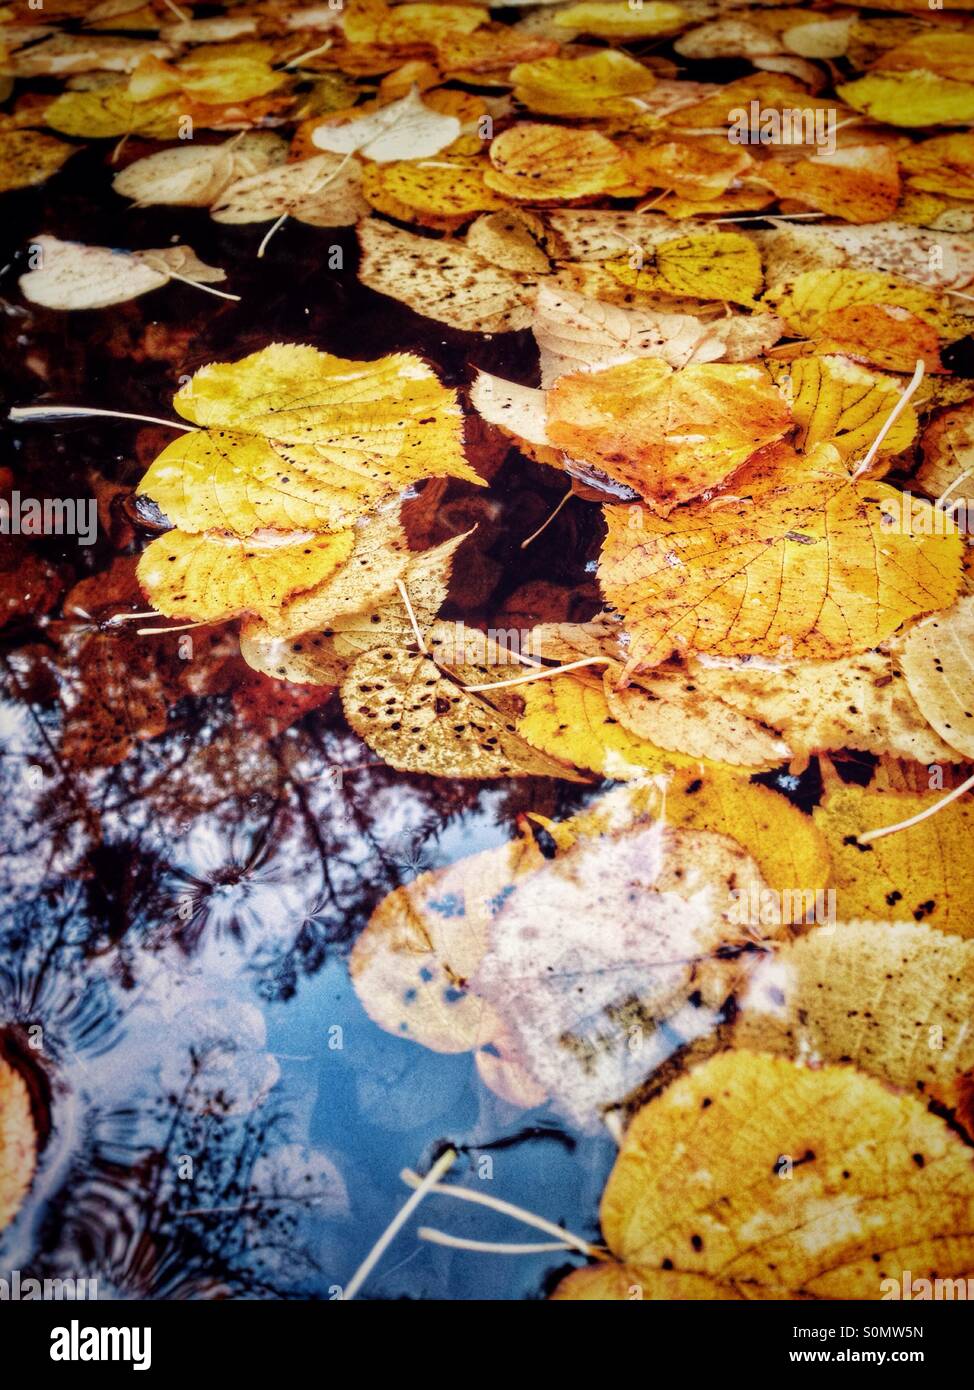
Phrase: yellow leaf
(614, 19)
(916, 98)
(697, 1187)
(110, 112)
(834, 401)
(18, 1142)
(673, 713)
(854, 702)
(855, 993)
(217, 75)
(432, 192)
(598, 85)
(705, 265)
(943, 164)
(936, 659)
(949, 55)
(669, 435)
(860, 183)
(419, 719)
(811, 296)
(212, 577)
(799, 556)
(537, 163)
(919, 874)
(571, 719)
(784, 843)
(356, 424)
(699, 169)
(28, 157)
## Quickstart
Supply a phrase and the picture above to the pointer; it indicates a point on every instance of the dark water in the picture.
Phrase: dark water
(203, 1132)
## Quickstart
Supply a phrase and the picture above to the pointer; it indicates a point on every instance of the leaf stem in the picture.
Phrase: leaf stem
(423, 1187)
(490, 1247)
(540, 675)
(67, 412)
(871, 835)
(466, 1194)
(891, 419)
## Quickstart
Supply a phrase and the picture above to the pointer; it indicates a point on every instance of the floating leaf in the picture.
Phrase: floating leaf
(405, 129)
(836, 402)
(537, 163)
(669, 435)
(442, 280)
(860, 183)
(72, 276)
(919, 98)
(613, 19)
(918, 874)
(108, 112)
(936, 659)
(800, 558)
(854, 702)
(323, 191)
(211, 577)
(691, 1200)
(195, 175)
(598, 85)
(18, 1143)
(419, 719)
(711, 265)
(27, 157)
(895, 999)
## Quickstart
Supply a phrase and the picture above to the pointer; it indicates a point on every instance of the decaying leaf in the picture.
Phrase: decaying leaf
(324, 191)
(836, 401)
(937, 659)
(853, 702)
(420, 719)
(442, 280)
(405, 129)
(72, 276)
(669, 435)
(895, 999)
(29, 157)
(551, 163)
(18, 1142)
(702, 1211)
(917, 875)
(612, 954)
(599, 85)
(195, 175)
(799, 559)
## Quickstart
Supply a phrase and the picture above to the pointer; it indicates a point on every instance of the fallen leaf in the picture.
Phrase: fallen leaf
(195, 175)
(669, 435)
(801, 556)
(211, 577)
(935, 657)
(853, 702)
(420, 719)
(613, 953)
(708, 265)
(18, 1143)
(692, 1205)
(613, 19)
(915, 98)
(442, 280)
(323, 191)
(576, 333)
(860, 183)
(537, 163)
(28, 157)
(72, 276)
(405, 129)
(108, 112)
(871, 993)
(598, 85)
(916, 874)
(835, 401)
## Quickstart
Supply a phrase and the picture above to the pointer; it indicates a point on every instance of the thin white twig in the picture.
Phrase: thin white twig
(77, 412)
(542, 674)
(891, 420)
(412, 618)
(871, 835)
(423, 1186)
(490, 1247)
(545, 524)
(132, 617)
(466, 1194)
(184, 18)
(313, 187)
(956, 483)
(311, 53)
(152, 631)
